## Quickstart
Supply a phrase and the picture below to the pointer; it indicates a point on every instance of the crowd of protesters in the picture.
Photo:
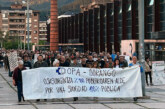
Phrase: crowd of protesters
(65, 59)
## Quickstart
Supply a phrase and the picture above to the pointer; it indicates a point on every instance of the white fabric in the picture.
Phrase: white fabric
(158, 69)
(48, 83)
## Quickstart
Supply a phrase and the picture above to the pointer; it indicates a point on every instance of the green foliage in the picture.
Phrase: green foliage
(42, 42)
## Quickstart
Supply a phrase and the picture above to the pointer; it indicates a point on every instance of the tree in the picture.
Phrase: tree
(42, 42)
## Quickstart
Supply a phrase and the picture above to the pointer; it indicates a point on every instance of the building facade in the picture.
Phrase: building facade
(43, 31)
(103, 27)
(13, 19)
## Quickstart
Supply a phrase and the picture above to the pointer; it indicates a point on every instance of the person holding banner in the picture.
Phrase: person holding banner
(40, 63)
(17, 79)
(75, 64)
(134, 63)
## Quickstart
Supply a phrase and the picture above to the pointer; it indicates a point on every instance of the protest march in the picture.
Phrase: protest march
(53, 75)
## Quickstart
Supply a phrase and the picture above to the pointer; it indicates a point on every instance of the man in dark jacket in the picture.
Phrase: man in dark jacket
(63, 62)
(40, 63)
(27, 64)
(1, 60)
(123, 63)
(17, 79)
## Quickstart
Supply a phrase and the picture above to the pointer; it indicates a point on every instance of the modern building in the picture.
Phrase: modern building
(102, 27)
(13, 19)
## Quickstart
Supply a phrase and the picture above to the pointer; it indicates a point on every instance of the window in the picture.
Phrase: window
(35, 32)
(35, 26)
(151, 2)
(35, 20)
(35, 14)
(130, 8)
(162, 7)
(35, 38)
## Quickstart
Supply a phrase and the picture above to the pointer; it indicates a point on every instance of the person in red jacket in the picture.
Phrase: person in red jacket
(17, 79)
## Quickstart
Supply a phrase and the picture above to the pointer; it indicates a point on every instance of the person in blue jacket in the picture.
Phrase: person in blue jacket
(134, 59)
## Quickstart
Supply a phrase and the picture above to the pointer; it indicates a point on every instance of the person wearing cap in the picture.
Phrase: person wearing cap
(75, 64)
(17, 79)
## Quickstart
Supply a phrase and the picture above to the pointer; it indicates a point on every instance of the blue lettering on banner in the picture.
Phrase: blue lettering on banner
(94, 88)
(79, 80)
(58, 71)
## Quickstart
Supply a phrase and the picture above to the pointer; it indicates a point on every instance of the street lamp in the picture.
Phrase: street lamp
(27, 2)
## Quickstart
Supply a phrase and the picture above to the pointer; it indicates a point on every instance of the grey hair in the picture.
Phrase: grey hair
(20, 62)
(55, 62)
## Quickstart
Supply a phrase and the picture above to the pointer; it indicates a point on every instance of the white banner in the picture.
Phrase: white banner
(158, 69)
(13, 60)
(66, 82)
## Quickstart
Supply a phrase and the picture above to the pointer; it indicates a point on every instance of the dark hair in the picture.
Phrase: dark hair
(115, 62)
(147, 58)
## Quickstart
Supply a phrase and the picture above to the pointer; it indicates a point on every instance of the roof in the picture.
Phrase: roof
(9, 8)
(69, 13)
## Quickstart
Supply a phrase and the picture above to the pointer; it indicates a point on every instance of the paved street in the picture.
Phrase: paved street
(8, 99)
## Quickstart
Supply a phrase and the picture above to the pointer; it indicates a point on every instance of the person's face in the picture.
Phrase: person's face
(118, 53)
(20, 66)
(134, 59)
(83, 60)
(62, 59)
(110, 60)
(25, 58)
(90, 58)
(75, 61)
(57, 65)
(40, 58)
(95, 65)
(148, 60)
(117, 62)
(121, 59)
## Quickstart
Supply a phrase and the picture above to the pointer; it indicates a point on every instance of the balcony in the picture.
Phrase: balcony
(16, 28)
(43, 39)
(16, 17)
(16, 22)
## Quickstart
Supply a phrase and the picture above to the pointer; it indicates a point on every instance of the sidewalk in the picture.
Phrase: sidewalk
(8, 99)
